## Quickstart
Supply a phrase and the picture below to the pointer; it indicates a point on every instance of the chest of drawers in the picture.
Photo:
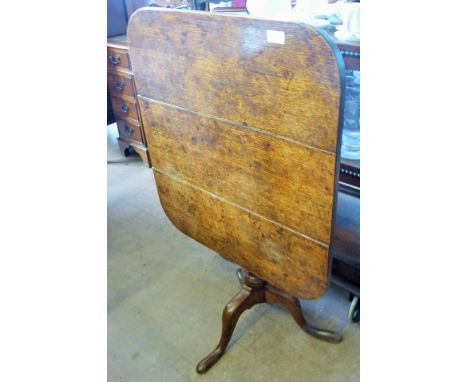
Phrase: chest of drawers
(123, 97)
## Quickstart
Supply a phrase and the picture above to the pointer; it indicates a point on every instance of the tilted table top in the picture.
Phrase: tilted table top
(242, 118)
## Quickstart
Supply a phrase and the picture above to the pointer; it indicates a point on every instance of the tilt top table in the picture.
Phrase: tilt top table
(243, 122)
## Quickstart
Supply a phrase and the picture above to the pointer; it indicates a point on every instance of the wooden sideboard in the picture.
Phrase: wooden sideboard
(123, 97)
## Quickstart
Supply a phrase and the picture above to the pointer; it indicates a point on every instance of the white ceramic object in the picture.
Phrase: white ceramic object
(350, 14)
(270, 9)
(343, 35)
(306, 9)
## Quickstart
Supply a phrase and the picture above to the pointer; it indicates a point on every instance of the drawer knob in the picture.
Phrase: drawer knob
(120, 86)
(128, 130)
(124, 108)
(114, 59)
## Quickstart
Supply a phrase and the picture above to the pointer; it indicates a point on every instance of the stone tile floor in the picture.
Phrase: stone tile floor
(166, 293)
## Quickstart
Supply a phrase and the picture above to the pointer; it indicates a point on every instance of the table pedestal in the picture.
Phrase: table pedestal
(256, 291)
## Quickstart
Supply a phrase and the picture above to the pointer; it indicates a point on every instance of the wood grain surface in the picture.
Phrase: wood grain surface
(243, 132)
(224, 66)
(120, 83)
(265, 174)
(117, 59)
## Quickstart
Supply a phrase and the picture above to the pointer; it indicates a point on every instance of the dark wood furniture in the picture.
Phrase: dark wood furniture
(256, 291)
(243, 121)
(122, 90)
(346, 249)
(346, 240)
(350, 169)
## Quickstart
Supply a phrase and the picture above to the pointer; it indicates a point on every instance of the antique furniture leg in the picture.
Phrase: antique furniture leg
(274, 295)
(124, 147)
(255, 291)
(250, 294)
(144, 155)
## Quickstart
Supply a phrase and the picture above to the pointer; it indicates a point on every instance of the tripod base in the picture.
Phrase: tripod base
(256, 291)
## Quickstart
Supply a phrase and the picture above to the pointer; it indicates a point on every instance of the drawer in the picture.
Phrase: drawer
(129, 131)
(120, 83)
(118, 58)
(125, 108)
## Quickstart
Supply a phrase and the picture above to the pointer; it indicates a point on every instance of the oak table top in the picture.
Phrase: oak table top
(243, 122)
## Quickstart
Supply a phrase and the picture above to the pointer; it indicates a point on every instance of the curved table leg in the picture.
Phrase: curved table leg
(273, 295)
(256, 291)
(245, 299)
